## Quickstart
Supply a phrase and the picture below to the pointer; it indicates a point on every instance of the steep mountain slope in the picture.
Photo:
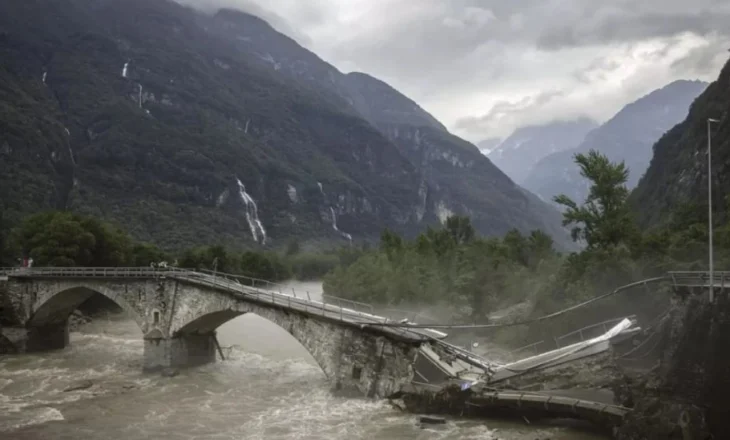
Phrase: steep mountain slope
(628, 136)
(455, 179)
(678, 174)
(194, 129)
(487, 145)
(527, 145)
(455, 176)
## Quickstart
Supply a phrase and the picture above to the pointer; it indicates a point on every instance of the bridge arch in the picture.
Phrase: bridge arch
(307, 332)
(54, 307)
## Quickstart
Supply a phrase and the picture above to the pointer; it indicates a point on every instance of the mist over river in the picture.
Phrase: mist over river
(268, 388)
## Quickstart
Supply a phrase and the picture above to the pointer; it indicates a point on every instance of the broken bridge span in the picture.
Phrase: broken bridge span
(179, 311)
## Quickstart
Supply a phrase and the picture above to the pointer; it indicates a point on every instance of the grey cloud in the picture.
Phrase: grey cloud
(448, 54)
(623, 26)
(505, 109)
(703, 59)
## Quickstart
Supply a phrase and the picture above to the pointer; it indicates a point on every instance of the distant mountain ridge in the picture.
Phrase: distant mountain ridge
(190, 129)
(628, 136)
(518, 154)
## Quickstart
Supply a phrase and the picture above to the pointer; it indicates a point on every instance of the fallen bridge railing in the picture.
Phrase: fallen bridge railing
(581, 332)
(279, 294)
(344, 304)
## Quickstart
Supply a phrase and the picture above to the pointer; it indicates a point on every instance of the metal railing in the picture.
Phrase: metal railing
(240, 285)
(531, 347)
(94, 272)
(720, 279)
(581, 331)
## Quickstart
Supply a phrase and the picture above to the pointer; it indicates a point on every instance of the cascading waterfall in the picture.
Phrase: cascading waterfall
(45, 75)
(140, 95)
(252, 214)
(124, 69)
(245, 129)
(334, 225)
(333, 216)
(70, 150)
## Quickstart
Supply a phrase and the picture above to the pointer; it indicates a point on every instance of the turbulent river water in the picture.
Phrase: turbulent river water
(268, 388)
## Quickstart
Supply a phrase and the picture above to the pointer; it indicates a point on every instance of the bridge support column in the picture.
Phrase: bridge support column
(48, 337)
(179, 352)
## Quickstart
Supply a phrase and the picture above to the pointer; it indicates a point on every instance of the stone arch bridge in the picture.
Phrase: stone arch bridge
(179, 311)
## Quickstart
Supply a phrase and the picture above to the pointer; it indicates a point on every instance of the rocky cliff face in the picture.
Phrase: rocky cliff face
(685, 397)
(189, 128)
(678, 174)
(628, 137)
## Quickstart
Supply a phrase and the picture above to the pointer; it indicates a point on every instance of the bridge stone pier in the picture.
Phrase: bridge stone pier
(179, 314)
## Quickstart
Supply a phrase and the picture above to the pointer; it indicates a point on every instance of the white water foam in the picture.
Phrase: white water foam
(252, 214)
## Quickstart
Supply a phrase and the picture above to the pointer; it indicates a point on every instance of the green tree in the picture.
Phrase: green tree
(293, 247)
(145, 253)
(604, 220)
(460, 229)
(55, 239)
(391, 243)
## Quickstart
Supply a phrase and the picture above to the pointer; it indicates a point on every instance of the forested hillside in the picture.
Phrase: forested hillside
(194, 129)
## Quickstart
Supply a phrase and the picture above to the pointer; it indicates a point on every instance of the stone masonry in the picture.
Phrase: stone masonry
(179, 318)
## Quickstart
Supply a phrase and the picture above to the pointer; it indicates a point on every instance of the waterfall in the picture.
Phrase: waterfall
(333, 215)
(124, 69)
(334, 225)
(245, 130)
(222, 199)
(140, 95)
(252, 214)
(71, 153)
(45, 74)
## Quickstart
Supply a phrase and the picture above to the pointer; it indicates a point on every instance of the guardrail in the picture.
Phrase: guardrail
(94, 272)
(240, 285)
(720, 279)
(531, 347)
(580, 332)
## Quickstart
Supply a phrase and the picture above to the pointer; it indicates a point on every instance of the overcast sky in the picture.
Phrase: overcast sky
(485, 67)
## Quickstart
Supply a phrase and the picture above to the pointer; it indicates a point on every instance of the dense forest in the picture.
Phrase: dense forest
(466, 278)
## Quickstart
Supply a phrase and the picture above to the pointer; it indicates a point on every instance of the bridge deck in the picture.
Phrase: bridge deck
(485, 403)
(263, 294)
(551, 405)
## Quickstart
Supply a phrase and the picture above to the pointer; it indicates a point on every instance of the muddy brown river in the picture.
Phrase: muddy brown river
(268, 388)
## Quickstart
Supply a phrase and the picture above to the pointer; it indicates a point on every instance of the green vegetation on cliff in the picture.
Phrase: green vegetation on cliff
(65, 239)
(474, 277)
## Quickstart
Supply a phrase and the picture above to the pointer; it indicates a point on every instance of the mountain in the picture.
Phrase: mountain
(677, 174)
(487, 145)
(628, 137)
(527, 145)
(188, 128)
